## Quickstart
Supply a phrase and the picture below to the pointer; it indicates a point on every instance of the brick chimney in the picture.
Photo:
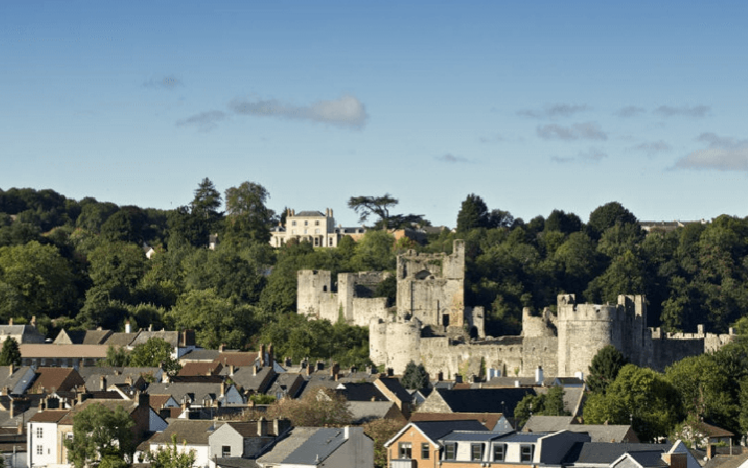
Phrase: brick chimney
(270, 355)
(263, 363)
(335, 371)
(262, 427)
(103, 383)
(675, 460)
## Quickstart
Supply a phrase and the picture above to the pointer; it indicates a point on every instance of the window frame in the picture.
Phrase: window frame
(473, 453)
(39, 432)
(524, 455)
(425, 451)
(499, 449)
(450, 451)
(405, 448)
(225, 453)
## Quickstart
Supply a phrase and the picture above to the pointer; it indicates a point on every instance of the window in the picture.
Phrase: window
(405, 450)
(226, 451)
(498, 452)
(293, 223)
(316, 231)
(39, 432)
(476, 452)
(425, 451)
(306, 223)
(527, 452)
(39, 450)
(316, 223)
(450, 450)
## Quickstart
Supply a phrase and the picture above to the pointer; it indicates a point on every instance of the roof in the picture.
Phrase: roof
(171, 337)
(436, 430)
(721, 461)
(120, 339)
(360, 391)
(195, 392)
(479, 436)
(712, 431)
(200, 368)
(547, 423)
(191, 431)
(307, 213)
(50, 416)
(393, 385)
(364, 411)
(487, 419)
(605, 453)
(237, 359)
(648, 458)
(488, 400)
(128, 405)
(309, 445)
(199, 355)
(58, 378)
(89, 337)
(32, 351)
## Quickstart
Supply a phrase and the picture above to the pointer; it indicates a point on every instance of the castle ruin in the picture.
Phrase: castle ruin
(431, 325)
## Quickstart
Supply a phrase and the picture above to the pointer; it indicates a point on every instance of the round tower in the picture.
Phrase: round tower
(583, 329)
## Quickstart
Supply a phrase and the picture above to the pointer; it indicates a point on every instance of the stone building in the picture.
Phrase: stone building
(312, 226)
(432, 326)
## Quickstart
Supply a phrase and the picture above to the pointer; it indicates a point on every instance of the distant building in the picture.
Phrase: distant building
(313, 226)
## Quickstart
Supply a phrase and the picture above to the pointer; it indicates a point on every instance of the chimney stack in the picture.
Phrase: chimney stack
(262, 428)
(12, 368)
(128, 327)
(103, 383)
(10, 321)
(262, 356)
(270, 355)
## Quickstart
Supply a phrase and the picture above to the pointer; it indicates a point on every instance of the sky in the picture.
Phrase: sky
(533, 106)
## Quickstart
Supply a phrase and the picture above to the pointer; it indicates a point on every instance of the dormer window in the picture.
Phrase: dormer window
(476, 452)
(498, 452)
(450, 451)
(527, 452)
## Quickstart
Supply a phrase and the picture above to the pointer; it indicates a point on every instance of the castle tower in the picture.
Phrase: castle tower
(311, 285)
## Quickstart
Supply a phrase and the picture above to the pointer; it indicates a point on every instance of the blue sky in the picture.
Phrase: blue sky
(534, 106)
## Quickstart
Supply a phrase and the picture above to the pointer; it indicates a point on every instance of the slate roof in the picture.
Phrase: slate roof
(365, 411)
(249, 381)
(360, 391)
(308, 445)
(308, 213)
(200, 368)
(648, 458)
(288, 382)
(195, 392)
(199, 355)
(192, 431)
(476, 436)
(235, 462)
(721, 461)
(89, 337)
(18, 381)
(605, 453)
(393, 385)
(436, 430)
(171, 337)
(487, 419)
(547, 423)
(485, 400)
(120, 339)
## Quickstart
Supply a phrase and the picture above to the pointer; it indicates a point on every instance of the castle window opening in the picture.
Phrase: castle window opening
(445, 320)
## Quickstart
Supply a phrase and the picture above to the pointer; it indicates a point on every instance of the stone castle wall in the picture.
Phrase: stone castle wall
(315, 297)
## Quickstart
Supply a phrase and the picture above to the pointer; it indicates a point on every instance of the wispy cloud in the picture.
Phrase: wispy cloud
(652, 147)
(164, 82)
(347, 111)
(204, 121)
(683, 111)
(553, 111)
(578, 131)
(452, 159)
(629, 111)
(593, 154)
(721, 153)
(561, 160)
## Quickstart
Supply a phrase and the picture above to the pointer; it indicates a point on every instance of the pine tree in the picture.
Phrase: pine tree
(11, 353)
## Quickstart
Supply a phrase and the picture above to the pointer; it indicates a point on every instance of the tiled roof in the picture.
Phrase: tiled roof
(200, 355)
(200, 368)
(171, 337)
(49, 416)
(62, 351)
(120, 339)
(58, 378)
(237, 359)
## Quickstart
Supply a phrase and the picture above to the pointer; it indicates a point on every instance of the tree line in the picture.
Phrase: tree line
(81, 264)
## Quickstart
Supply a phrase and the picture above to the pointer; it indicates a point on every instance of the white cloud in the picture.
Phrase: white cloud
(347, 111)
(578, 131)
(685, 111)
(553, 111)
(721, 153)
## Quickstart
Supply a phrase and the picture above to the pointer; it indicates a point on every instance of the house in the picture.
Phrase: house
(331, 447)
(312, 226)
(23, 334)
(365, 411)
(604, 454)
(16, 380)
(50, 379)
(417, 444)
(706, 436)
(87, 337)
(42, 448)
(191, 435)
(247, 439)
(285, 385)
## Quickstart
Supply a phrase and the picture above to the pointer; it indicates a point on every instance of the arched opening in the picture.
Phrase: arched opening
(423, 274)
(474, 332)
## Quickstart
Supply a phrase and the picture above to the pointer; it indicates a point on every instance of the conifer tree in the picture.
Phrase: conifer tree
(11, 353)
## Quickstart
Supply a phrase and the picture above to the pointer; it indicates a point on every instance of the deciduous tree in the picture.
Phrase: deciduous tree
(365, 206)
(101, 434)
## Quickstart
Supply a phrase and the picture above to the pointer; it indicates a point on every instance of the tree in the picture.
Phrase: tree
(365, 206)
(11, 353)
(101, 434)
(154, 353)
(607, 216)
(248, 217)
(604, 368)
(637, 395)
(415, 377)
(380, 431)
(473, 214)
(544, 404)
(170, 456)
(320, 407)
(115, 357)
